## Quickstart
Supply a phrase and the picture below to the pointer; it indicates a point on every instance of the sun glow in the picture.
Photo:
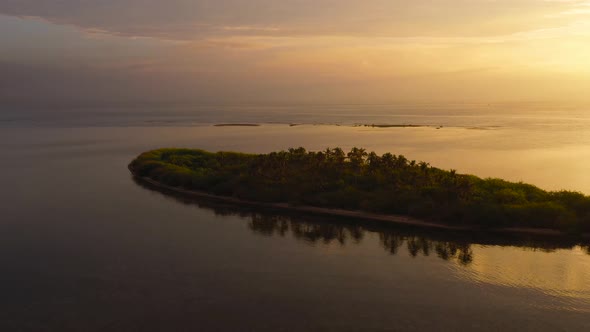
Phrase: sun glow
(381, 51)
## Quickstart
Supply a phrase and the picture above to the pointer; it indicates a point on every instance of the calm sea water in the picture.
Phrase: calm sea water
(86, 248)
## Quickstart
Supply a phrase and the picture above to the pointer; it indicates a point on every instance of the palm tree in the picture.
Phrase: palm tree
(374, 161)
(338, 155)
(388, 160)
(357, 157)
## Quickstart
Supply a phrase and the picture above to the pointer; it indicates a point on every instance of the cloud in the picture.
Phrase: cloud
(302, 50)
(197, 19)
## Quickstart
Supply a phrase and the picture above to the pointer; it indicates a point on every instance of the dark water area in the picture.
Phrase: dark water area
(85, 247)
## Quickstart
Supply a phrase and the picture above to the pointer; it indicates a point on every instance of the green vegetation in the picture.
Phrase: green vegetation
(359, 180)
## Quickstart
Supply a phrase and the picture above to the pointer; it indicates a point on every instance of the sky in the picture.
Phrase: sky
(295, 51)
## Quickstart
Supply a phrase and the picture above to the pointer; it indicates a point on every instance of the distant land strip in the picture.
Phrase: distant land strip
(357, 125)
(237, 125)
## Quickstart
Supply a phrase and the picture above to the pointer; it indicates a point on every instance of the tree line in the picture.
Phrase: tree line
(362, 180)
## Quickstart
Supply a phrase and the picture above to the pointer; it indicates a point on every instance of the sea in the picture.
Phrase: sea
(85, 247)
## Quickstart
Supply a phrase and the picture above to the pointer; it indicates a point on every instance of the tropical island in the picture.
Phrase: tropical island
(366, 185)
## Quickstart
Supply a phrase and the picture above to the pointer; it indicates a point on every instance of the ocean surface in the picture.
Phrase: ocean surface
(84, 247)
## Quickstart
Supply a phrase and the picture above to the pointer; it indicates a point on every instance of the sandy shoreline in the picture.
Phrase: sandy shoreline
(395, 219)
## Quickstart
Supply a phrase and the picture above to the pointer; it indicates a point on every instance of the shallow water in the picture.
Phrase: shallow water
(86, 248)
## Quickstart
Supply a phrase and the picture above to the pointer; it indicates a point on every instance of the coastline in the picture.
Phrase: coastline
(394, 219)
(357, 125)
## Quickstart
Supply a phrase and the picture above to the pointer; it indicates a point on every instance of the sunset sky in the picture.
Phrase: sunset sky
(333, 51)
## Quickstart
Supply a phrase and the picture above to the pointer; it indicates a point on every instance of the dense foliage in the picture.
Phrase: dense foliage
(359, 180)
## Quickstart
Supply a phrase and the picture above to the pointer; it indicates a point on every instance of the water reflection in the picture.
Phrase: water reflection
(420, 245)
(304, 228)
(316, 230)
(448, 246)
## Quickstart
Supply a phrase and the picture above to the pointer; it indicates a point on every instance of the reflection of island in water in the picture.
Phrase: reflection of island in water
(328, 231)
(447, 245)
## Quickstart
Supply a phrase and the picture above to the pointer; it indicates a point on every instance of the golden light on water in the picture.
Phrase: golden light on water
(563, 273)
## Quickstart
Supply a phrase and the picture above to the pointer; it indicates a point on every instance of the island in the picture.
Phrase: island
(365, 185)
